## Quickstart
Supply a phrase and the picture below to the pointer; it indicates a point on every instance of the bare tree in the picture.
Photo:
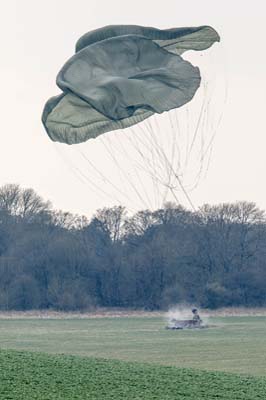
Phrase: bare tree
(112, 221)
(69, 221)
(24, 203)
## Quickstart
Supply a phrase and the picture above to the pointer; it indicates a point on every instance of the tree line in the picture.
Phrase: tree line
(51, 259)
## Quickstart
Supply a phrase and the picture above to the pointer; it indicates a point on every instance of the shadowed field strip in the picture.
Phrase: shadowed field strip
(26, 375)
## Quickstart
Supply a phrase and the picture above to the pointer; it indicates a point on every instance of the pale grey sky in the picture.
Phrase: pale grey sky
(37, 37)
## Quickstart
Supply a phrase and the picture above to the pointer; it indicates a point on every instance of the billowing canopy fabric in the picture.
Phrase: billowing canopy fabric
(121, 75)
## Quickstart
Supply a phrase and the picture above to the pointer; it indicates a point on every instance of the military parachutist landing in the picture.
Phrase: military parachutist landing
(195, 322)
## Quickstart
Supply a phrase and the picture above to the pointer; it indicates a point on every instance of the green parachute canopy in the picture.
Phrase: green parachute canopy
(121, 75)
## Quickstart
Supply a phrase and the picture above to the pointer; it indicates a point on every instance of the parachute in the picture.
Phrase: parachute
(120, 76)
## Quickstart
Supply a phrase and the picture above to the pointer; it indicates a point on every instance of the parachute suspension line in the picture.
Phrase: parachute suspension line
(187, 135)
(149, 127)
(157, 178)
(103, 177)
(174, 146)
(175, 196)
(148, 147)
(169, 170)
(150, 171)
(97, 189)
(219, 119)
(125, 175)
(201, 156)
(109, 148)
(83, 178)
(173, 138)
(178, 138)
(167, 165)
(204, 145)
(199, 119)
(135, 165)
(201, 128)
(215, 125)
(74, 170)
(154, 182)
(185, 192)
(159, 145)
(156, 146)
(140, 152)
(208, 162)
(137, 173)
(159, 150)
(176, 134)
(179, 182)
(125, 153)
(206, 151)
(107, 143)
(138, 165)
(144, 189)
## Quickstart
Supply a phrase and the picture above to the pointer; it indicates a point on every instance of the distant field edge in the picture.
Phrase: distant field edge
(122, 312)
(29, 375)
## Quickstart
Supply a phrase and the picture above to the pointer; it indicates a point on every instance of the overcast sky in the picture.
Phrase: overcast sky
(37, 37)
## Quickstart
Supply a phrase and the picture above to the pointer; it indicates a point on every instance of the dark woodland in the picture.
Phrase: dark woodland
(51, 259)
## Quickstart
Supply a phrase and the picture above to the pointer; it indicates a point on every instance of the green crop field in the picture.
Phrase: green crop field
(26, 376)
(234, 345)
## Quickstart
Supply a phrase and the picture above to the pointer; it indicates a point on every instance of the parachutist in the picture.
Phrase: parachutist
(195, 322)
(196, 318)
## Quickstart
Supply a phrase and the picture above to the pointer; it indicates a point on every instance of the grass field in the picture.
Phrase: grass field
(235, 344)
